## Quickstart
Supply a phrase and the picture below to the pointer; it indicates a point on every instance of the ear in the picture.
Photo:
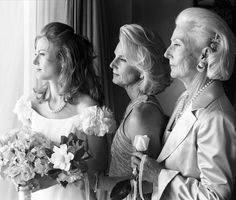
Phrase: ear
(205, 53)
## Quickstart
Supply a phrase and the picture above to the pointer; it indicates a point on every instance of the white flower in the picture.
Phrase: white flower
(23, 109)
(98, 121)
(60, 158)
(22, 155)
(41, 166)
(70, 177)
(27, 172)
(12, 171)
(141, 142)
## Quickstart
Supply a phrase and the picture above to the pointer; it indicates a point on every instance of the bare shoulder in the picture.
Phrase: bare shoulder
(145, 118)
(146, 112)
(85, 101)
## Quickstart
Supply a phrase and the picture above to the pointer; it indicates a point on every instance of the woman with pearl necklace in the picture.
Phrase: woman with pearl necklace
(198, 157)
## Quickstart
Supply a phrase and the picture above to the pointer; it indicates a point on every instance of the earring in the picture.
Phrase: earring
(201, 66)
(141, 76)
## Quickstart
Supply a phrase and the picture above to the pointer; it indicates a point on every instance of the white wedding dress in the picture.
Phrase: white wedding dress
(93, 120)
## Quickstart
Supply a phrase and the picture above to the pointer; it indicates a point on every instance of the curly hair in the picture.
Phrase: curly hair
(146, 52)
(75, 55)
(207, 28)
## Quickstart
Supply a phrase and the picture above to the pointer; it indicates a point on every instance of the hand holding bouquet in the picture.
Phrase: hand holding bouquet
(23, 157)
(68, 159)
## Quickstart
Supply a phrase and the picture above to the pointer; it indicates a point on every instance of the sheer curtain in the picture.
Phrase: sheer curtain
(12, 71)
(20, 22)
(87, 17)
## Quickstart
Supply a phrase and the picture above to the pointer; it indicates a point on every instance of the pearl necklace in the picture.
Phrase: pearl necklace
(58, 109)
(183, 107)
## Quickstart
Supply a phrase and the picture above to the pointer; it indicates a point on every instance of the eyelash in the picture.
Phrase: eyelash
(41, 54)
(176, 44)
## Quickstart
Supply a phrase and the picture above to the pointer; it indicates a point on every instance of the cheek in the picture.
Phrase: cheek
(51, 69)
(131, 76)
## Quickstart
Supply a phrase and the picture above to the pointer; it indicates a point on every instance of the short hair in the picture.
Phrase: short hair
(208, 28)
(146, 52)
(76, 56)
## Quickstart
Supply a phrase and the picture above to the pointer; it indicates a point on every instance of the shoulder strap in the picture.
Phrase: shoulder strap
(142, 99)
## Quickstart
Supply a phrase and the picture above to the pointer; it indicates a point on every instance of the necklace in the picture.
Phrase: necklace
(59, 108)
(182, 106)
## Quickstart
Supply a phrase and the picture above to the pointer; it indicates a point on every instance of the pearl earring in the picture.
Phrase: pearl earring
(201, 66)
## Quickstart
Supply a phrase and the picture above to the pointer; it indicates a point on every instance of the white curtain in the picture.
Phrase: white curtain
(20, 22)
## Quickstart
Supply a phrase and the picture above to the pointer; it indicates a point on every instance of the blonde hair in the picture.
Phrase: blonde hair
(145, 51)
(206, 27)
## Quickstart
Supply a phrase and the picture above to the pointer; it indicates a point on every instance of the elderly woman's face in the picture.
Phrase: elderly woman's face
(124, 74)
(182, 55)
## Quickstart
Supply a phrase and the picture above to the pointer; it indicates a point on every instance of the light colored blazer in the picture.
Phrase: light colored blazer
(199, 155)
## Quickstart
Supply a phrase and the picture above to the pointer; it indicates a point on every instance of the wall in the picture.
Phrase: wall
(118, 13)
(156, 15)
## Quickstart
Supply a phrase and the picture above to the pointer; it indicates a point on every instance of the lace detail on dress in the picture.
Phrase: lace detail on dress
(96, 121)
(23, 110)
(92, 120)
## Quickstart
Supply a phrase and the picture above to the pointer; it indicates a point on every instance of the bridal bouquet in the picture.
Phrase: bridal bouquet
(23, 157)
(68, 159)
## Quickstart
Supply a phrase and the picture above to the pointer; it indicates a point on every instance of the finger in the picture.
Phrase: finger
(137, 154)
(23, 188)
(35, 186)
(135, 161)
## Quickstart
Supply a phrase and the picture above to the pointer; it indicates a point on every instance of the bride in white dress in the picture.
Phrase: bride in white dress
(70, 101)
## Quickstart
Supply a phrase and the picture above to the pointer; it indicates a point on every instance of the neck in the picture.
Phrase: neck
(196, 83)
(133, 92)
(54, 92)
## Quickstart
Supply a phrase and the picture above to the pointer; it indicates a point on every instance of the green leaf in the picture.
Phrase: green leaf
(53, 173)
(81, 165)
(48, 152)
(64, 139)
(78, 154)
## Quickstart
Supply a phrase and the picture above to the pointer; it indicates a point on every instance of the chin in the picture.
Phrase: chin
(172, 75)
(115, 81)
(41, 77)
(118, 83)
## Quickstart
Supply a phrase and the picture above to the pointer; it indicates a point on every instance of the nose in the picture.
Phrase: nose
(35, 61)
(167, 54)
(113, 63)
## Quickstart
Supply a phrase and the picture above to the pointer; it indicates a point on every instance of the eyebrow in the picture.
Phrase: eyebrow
(41, 50)
(177, 39)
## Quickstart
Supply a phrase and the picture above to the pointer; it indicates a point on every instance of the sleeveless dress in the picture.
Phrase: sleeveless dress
(122, 148)
(92, 120)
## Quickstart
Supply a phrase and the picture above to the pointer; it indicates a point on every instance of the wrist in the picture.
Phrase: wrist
(156, 174)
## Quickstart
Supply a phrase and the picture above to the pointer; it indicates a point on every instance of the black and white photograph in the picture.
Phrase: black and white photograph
(118, 100)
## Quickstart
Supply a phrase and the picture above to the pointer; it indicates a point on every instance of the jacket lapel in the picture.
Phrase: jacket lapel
(187, 120)
(178, 134)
